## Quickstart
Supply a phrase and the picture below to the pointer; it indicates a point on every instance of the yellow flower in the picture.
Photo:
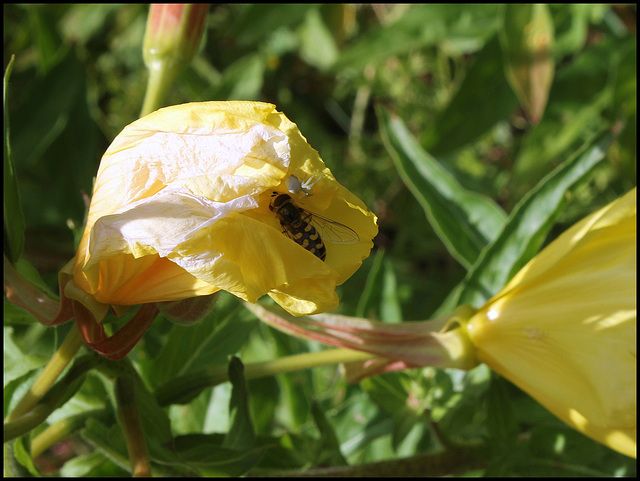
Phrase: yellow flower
(564, 328)
(183, 207)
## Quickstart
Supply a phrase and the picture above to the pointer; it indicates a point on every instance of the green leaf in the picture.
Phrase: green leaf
(16, 362)
(155, 423)
(187, 349)
(465, 221)
(371, 290)
(461, 26)
(330, 452)
(483, 99)
(392, 391)
(242, 80)
(317, 46)
(572, 25)
(109, 442)
(48, 42)
(501, 416)
(578, 103)
(83, 465)
(13, 216)
(529, 224)
(390, 309)
(260, 20)
(204, 453)
(296, 388)
(241, 435)
(55, 147)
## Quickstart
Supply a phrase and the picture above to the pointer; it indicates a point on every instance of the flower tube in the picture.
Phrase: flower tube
(563, 329)
(183, 207)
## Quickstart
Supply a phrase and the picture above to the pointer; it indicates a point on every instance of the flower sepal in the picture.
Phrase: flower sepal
(188, 311)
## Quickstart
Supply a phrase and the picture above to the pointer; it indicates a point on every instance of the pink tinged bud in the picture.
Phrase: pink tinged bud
(174, 32)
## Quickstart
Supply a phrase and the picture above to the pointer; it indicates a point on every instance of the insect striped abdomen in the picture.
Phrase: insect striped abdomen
(293, 224)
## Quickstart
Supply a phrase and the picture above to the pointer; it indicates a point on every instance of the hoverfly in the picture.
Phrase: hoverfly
(305, 228)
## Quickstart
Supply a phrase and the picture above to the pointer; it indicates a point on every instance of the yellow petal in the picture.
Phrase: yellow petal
(181, 208)
(564, 329)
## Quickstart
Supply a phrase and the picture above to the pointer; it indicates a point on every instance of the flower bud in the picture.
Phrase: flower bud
(527, 39)
(173, 33)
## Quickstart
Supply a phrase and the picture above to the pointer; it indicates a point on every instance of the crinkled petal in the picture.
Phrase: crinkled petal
(182, 207)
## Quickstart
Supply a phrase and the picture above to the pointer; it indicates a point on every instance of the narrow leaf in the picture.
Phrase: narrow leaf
(529, 224)
(13, 216)
(465, 221)
(331, 454)
(466, 26)
(241, 435)
(483, 100)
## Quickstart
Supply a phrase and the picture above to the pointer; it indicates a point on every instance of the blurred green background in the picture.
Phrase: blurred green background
(79, 78)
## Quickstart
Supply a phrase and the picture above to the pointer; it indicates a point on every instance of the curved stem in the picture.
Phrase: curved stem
(161, 76)
(129, 419)
(59, 431)
(60, 393)
(49, 375)
(304, 361)
(185, 388)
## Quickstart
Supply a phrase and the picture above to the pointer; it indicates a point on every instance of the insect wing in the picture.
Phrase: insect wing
(330, 230)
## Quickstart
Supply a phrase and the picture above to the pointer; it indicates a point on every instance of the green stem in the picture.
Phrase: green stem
(129, 419)
(60, 393)
(60, 431)
(420, 465)
(185, 388)
(304, 361)
(48, 376)
(161, 76)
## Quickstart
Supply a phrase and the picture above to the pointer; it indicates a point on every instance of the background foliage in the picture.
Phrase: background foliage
(399, 101)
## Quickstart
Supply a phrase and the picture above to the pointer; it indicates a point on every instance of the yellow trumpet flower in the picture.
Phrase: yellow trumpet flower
(564, 328)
